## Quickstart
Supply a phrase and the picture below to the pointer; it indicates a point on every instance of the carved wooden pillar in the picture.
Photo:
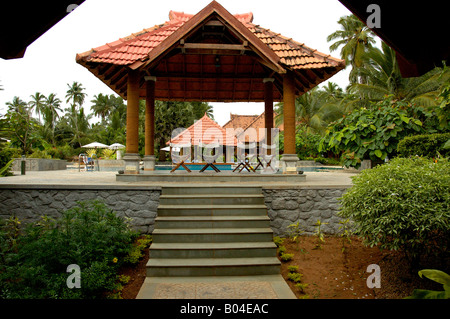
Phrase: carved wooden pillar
(132, 157)
(289, 158)
(149, 158)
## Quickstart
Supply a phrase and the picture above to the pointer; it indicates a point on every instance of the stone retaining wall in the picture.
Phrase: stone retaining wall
(30, 204)
(287, 206)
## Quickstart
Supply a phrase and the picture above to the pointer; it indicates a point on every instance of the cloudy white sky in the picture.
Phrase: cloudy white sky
(49, 63)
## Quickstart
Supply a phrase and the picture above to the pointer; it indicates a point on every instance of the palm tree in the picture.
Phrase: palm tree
(52, 104)
(200, 108)
(17, 105)
(102, 106)
(384, 78)
(355, 38)
(75, 95)
(37, 103)
(313, 110)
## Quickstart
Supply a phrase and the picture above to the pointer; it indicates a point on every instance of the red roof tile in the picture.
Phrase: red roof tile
(137, 46)
(204, 131)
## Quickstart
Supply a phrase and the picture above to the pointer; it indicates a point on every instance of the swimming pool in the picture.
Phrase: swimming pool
(228, 167)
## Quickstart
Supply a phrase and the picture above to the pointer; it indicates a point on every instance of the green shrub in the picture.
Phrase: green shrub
(294, 276)
(402, 205)
(89, 235)
(293, 269)
(373, 133)
(286, 257)
(278, 241)
(136, 252)
(428, 145)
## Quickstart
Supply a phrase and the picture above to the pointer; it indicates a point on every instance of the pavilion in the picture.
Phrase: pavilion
(212, 56)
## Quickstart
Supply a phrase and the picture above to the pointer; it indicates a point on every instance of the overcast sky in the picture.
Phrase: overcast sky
(49, 63)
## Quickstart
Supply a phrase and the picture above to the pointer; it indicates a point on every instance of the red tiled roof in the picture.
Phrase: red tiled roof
(204, 131)
(137, 46)
(239, 121)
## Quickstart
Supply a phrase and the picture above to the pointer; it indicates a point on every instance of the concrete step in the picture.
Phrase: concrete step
(212, 199)
(213, 189)
(213, 250)
(163, 222)
(212, 210)
(162, 267)
(212, 235)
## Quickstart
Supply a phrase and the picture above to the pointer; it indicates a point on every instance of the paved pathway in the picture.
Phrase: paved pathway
(73, 177)
(225, 287)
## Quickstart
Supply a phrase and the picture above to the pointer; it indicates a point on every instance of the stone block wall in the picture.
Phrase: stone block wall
(30, 204)
(307, 205)
(285, 206)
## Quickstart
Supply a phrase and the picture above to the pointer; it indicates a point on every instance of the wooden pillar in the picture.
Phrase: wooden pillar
(131, 157)
(149, 158)
(289, 113)
(289, 158)
(150, 115)
(268, 110)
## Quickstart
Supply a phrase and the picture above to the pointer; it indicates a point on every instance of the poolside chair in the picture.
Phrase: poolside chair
(244, 158)
(88, 163)
(268, 158)
(179, 159)
(212, 153)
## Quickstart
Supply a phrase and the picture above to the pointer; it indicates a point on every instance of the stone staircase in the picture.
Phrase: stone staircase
(212, 231)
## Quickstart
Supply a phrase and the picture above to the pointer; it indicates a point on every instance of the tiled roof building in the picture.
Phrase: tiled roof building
(210, 56)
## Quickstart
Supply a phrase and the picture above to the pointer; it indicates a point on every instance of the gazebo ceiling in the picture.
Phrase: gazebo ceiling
(210, 56)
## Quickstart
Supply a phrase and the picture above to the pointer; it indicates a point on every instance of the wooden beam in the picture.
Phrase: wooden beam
(214, 46)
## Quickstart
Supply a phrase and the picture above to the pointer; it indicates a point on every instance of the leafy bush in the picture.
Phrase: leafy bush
(306, 143)
(286, 257)
(373, 133)
(89, 235)
(7, 155)
(402, 205)
(428, 145)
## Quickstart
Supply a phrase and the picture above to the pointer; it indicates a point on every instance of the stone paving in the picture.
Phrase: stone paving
(73, 177)
(227, 287)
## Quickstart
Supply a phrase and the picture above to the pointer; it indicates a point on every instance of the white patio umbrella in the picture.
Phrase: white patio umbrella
(116, 146)
(167, 149)
(95, 145)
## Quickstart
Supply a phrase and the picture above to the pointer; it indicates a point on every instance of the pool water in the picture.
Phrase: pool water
(229, 168)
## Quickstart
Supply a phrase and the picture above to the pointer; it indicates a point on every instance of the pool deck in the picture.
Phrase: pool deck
(89, 180)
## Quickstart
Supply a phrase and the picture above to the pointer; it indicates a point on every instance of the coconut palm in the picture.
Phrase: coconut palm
(102, 106)
(76, 96)
(355, 38)
(52, 106)
(384, 78)
(314, 110)
(37, 104)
